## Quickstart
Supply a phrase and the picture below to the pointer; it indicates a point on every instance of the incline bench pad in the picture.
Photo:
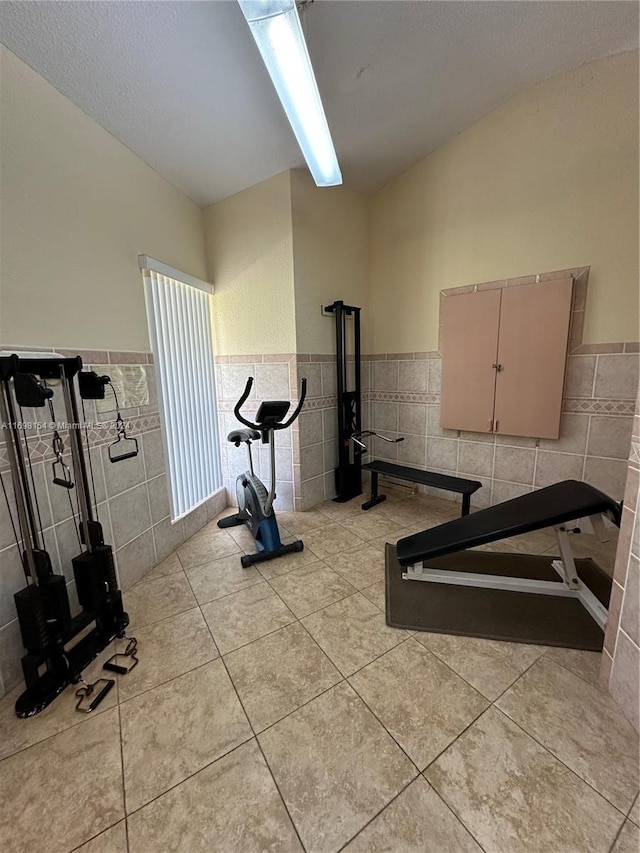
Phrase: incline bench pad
(555, 504)
(426, 478)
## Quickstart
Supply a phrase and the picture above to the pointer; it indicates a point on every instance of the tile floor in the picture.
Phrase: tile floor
(274, 710)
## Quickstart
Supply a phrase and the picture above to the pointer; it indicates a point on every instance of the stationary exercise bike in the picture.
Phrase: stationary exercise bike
(255, 504)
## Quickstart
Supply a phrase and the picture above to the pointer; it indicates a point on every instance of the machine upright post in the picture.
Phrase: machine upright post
(348, 474)
(84, 498)
(22, 494)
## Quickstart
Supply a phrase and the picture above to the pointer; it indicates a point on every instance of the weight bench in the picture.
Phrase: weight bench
(415, 475)
(505, 596)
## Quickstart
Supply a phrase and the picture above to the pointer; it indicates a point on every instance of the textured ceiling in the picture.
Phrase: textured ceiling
(182, 84)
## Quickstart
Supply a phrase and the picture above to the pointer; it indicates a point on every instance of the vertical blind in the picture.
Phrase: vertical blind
(181, 338)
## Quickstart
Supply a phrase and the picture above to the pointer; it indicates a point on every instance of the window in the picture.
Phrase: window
(179, 316)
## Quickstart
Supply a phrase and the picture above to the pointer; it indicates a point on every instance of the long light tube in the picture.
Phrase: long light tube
(276, 28)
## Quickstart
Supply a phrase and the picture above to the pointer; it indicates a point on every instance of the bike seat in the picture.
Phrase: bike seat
(236, 436)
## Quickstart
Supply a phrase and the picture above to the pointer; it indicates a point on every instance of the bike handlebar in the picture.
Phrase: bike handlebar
(285, 424)
(303, 394)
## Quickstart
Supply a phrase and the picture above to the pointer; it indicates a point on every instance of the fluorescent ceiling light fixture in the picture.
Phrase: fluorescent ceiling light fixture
(276, 28)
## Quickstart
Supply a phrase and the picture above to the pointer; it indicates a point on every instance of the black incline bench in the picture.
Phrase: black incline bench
(426, 478)
(506, 596)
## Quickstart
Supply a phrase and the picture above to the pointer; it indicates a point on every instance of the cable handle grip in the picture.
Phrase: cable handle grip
(362, 432)
(303, 394)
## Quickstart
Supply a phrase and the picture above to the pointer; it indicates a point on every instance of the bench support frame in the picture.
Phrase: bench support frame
(377, 498)
(571, 586)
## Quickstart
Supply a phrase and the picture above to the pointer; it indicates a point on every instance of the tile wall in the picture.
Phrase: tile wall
(274, 379)
(132, 501)
(595, 431)
(307, 453)
(621, 658)
(318, 429)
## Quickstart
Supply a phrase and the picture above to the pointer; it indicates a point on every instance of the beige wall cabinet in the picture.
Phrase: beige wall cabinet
(503, 359)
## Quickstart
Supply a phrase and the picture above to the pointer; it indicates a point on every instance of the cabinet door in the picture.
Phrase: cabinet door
(469, 349)
(532, 350)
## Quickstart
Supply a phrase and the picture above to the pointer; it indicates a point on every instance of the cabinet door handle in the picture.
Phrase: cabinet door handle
(497, 367)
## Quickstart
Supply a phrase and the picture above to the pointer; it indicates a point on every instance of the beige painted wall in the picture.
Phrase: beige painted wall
(250, 260)
(330, 253)
(77, 208)
(549, 181)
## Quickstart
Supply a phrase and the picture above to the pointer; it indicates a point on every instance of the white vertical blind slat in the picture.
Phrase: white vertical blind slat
(180, 329)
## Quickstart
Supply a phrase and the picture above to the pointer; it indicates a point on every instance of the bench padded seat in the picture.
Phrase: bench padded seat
(556, 504)
(425, 478)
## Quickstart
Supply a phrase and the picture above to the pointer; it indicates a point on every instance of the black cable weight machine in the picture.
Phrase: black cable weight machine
(348, 474)
(52, 660)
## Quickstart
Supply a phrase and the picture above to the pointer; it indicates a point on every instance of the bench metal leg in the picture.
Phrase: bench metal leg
(466, 504)
(375, 497)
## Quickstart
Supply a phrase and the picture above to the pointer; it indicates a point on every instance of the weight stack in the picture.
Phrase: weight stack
(95, 576)
(44, 614)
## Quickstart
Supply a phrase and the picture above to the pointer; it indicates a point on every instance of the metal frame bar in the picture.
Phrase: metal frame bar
(571, 586)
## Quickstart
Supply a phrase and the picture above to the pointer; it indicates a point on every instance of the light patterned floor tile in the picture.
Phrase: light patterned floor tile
(417, 821)
(113, 840)
(634, 814)
(336, 511)
(418, 699)
(369, 527)
(579, 724)
(515, 797)
(167, 649)
(172, 731)
(488, 665)
(61, 714)
(585, 664)
(361, 566)
(287, 563)
(169, 566)
(277, 674)
(352, 632)
(629, 839)
(335, 766)
(408, 514)
(242, 536)
(221, 577)
(331, 539)
(301, 523)
(152, 600)
(60, 793)
(244, 616)
(311, 587)
(376, 593)
(380, 542)
(232, 806)
(207, 545)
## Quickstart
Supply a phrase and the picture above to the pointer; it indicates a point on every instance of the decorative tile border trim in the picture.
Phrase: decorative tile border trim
(570, 405)
(90, 356)
(271, 358)
(403, 397)
(315, 403)
(401, 356)
(598, 406)
(98, 435)
(607, 349)
(311, 403)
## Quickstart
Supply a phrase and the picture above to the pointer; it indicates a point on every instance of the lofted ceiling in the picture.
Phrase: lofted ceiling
(182, 84)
